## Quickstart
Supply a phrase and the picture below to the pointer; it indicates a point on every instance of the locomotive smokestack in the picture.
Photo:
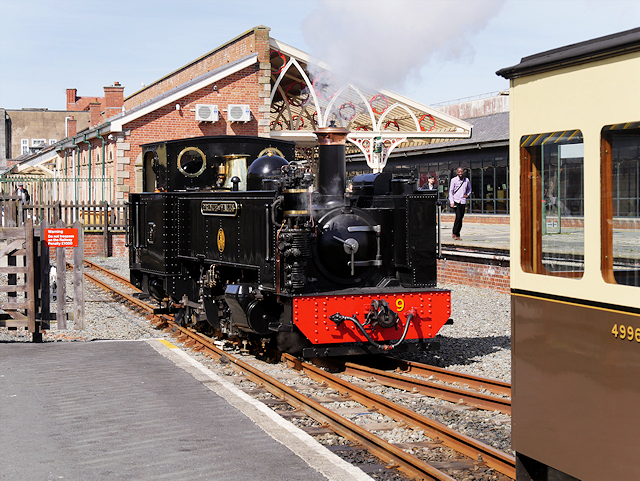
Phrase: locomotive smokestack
(332, 167)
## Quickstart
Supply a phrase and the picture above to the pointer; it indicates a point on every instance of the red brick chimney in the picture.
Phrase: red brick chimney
(72, 128)
(71, 98)
(94, 112)
(114, 99)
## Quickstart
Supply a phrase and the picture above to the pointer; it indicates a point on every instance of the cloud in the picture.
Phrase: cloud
(385, 43)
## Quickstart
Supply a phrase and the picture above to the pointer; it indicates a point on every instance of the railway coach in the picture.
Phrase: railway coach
(575, 260)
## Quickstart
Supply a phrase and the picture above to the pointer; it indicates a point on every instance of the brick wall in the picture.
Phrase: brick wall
(474, 274)
(576, 222)
(493, 219)
(167, 123)
(93, 246)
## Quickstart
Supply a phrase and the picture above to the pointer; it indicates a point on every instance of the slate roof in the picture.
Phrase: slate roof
(489, 129)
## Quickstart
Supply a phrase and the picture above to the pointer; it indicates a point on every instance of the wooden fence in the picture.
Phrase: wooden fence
(98, 218)
(20, 246)
(28, 304)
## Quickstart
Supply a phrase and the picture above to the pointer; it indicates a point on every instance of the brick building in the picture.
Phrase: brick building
(250, 85)
(27, 131)
(236, 73)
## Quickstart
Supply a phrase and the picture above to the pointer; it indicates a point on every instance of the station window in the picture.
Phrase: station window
(620, 171)
(552, 203)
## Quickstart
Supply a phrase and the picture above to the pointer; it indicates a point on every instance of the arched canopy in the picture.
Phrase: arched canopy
(305, 96)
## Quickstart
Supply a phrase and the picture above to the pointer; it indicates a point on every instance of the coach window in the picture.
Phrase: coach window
(552, 203)
(620, 170)
(191, 162)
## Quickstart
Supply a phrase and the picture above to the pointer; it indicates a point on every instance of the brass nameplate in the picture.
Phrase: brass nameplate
(227, 208)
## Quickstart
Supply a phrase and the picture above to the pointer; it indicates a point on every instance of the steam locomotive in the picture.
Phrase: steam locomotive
(231, 236)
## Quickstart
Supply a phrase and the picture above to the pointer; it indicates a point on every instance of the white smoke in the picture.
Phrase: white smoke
(385, 43)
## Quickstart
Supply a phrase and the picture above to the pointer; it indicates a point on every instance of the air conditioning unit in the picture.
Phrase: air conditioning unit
(207, 113)
(238, 113)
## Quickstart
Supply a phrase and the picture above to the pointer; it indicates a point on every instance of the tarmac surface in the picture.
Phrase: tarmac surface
(142, 410)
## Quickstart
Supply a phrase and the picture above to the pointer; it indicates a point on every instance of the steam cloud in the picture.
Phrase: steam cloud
(378, 44)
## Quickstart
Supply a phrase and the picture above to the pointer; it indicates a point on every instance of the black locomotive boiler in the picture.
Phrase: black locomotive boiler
(234, 238)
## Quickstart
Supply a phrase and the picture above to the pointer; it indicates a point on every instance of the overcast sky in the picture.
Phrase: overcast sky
(432, 51)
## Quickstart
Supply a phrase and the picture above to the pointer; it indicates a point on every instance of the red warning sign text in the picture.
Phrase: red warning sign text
(61, 237)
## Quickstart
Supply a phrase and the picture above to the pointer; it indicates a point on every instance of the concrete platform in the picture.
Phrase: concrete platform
(626, 242)
(142, 410)
(482, 236)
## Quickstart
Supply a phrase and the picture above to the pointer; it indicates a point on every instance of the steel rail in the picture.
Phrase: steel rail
(136, 302)
(384, 450)
(474, 382)
(398, 458)
(440, 391)
(109, 273)
(494, 458)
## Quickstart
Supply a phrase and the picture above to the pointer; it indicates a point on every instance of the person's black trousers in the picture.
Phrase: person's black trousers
(457, 225)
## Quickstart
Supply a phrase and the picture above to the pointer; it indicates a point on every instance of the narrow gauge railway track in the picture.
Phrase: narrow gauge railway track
(440, 391)
(111, 274)
(409, 464)
(474, 382)
(470, 447)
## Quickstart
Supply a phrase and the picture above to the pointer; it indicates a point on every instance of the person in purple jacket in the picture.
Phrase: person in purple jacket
(459, 190)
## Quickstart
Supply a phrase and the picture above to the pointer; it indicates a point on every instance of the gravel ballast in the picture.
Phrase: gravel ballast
(477, 343)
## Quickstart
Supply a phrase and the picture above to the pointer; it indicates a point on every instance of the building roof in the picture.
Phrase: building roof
(575, 54)
(305, 95)
(181, 91)
(488, 131)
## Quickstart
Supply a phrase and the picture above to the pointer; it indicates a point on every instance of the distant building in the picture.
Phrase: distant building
(252, 85)
(484, 156)
(27, 131)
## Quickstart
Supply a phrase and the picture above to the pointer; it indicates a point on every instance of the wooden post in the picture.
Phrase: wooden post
(61, 282)
(30, 282)
(45, 287)
(78, 278)
(57, 210)
(11, 213)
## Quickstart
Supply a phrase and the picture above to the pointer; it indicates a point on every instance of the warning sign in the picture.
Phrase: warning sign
(61, 237)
